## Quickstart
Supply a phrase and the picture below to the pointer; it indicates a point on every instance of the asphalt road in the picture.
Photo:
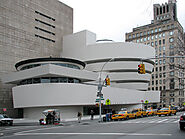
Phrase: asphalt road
(141, 128)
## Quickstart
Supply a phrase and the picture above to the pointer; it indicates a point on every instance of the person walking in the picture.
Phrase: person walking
(92, 114)
(79, 115)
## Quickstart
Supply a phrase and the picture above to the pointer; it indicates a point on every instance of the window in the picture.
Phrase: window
(171, 40)
(172, 60)
(164, 74)
(152, 37)
(137, 34)
(163, 48)
(144, 39)
(160, 62)
(171, 33)
(137, 41)
(133, 35)
(155, 43)
(164, 61)
(155, 29)
(164, 68)
(163, 41)
(156, 36)
(171, 46)
(148, 38)
(159, 29)
(163, 34)
(171, 73)
(159, 42)
(129, 37)
(152, 31)
(152, 43)
(160, 35)
(141, 33)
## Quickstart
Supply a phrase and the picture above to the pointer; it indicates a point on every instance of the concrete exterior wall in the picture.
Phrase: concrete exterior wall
(21, 22)
(60, 95)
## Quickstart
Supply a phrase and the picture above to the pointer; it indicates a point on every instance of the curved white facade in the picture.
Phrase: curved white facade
(123, 70)
(127, 88)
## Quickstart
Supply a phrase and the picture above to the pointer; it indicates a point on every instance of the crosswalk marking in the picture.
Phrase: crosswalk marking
(150, 121)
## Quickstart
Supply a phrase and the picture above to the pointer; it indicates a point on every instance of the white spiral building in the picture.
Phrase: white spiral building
(69, 83)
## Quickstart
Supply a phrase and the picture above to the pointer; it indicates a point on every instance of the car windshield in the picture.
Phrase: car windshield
(122, 112)
(164, 109)
(3, 116)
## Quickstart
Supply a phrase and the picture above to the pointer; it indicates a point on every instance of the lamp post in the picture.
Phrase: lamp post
(100, 85)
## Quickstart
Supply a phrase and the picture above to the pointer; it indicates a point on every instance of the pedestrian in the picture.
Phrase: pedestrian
(92, 114)
(79, 115)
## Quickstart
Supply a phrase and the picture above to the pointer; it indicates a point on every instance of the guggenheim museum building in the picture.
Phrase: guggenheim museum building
(69, 83)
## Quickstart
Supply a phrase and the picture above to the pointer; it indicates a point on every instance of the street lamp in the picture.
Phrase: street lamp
(100, 85)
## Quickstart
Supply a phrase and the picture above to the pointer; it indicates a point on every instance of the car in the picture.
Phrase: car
(151, 112)
(139, 112)
(166, 111)
(5, 120)
(123, 115)
(182, 122)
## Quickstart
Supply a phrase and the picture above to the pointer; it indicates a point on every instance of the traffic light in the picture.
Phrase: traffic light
(141, 69)
(107, 81)
(97, 104)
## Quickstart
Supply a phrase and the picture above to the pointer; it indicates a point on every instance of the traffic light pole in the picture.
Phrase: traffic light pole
(100, 85)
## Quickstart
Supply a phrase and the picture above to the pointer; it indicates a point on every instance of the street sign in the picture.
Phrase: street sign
(107, 102)
(97, 100)
(146, 101)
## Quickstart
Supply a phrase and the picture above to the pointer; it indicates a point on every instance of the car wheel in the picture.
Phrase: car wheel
(10, 124)
(159, 115)
(174, 113)
(169, 114)
(135, 117)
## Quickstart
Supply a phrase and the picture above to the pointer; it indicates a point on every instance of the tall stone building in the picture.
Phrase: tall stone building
(29, 29)
(166, 35)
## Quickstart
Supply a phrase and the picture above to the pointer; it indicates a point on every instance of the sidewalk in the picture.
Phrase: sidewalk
(33, 121)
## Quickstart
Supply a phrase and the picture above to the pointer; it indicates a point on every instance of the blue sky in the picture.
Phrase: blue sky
(111, 19)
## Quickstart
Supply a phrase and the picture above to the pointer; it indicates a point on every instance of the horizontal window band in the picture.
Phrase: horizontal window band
(49, 32)
(130, 81)
(37, 12)
(44, 38)
(121, 59)
(44, 23)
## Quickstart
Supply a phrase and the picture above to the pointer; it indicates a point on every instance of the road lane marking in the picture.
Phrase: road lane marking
(96, 134)
(162, 121)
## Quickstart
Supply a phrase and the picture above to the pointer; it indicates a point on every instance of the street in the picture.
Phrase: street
(165, 127)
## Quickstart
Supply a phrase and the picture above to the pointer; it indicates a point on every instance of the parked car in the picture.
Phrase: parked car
(182, 121)
(123, 115)
(151, 112)
(139, 112)
(5, 120)
(166, 111)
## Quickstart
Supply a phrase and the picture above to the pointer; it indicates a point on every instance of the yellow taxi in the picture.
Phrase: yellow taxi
(151, 112)
(123, 115)
(166, 111)
(140, 112)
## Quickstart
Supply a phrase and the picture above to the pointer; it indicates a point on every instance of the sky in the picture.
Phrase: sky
(111, 19)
